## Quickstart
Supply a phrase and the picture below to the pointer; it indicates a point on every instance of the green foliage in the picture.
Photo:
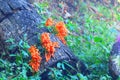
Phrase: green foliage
(58, 73)
(94, 44)
(17, 66)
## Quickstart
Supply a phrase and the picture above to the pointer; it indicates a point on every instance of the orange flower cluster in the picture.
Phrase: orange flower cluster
(49, 22)
(48, 45)
(36, 58)
(62, 31)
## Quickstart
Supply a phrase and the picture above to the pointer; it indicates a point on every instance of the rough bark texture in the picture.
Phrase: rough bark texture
(114, 64)
(17, 17)
(33, 1)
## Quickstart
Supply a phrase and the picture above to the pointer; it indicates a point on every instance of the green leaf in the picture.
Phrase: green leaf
(98, 39)
(63, 66)
(12, 46)
(12, 55)
(58, 65)
(103, 78)
(73, 77)
(24, 53)
(26, 45)
(21, 43)
(10, 40)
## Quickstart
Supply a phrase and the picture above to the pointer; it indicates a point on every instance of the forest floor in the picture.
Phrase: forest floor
(92, 26)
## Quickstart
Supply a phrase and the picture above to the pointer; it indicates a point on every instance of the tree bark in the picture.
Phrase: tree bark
(17, 17)
(114, 66)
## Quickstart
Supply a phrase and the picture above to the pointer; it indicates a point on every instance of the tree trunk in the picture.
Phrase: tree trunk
(17, 17)
(114, 64)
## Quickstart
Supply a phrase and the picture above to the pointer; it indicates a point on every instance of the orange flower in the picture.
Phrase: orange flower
(48, 45)
(62, 32)
(47, 56)
(56, 44)
(61, 29)
(33, 50)
(45, 38)
(49, 22)
(35, 58)
(61, 38)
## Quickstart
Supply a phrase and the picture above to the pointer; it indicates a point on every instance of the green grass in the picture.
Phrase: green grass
(94, 45)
